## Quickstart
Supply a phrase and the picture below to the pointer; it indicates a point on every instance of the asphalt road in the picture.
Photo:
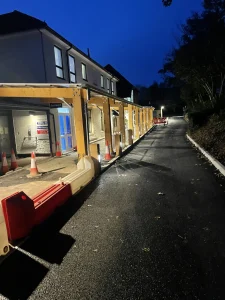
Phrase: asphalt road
(120, 239)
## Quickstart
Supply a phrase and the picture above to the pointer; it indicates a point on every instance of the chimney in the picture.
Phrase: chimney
(88, 52)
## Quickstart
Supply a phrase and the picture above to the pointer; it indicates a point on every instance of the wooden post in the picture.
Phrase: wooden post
(122, 123)
(118, 144)
(96, 158)
(141, 121)
(130, 136)
(151, 117)
(147, 119)
(107, 122)
(144, 120)
(130, 117)
(81, 129)
(137, 135)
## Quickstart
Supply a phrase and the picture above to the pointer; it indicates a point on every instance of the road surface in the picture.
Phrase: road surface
(120, 239)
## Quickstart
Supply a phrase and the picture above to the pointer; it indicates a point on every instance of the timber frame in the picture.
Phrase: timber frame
(80, 97)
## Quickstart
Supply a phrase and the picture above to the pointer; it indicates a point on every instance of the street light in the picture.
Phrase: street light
(162, 107)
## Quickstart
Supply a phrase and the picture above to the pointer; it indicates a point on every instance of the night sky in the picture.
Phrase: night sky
(133, 36)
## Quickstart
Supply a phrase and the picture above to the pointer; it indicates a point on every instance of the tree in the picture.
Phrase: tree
(199, 61)
(167, 2)
(212, 5)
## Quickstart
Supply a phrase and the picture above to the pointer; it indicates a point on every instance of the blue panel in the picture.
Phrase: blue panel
(63, 144)
(68, 125)
(69, 141)
(61, 125)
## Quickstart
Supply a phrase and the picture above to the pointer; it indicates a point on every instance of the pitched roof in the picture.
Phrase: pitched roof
(17, 21)
(119, 76)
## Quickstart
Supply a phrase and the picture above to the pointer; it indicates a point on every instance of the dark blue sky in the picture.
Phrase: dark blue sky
(133, 36)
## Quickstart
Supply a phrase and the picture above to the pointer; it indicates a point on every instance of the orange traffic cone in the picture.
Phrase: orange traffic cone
(58, 151)
(33, 166)
(14, 164)
(5, 167)
(107, 151)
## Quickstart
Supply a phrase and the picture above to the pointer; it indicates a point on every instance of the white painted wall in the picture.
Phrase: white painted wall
(23, 123)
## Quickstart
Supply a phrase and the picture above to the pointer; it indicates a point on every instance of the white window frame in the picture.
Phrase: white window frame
(71, 72)
(85, 69)
(108, 85)
(58, 67)
(112, 87)
(102, 81)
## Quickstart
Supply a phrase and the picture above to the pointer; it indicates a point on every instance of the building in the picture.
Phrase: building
(32, 52)
(125, 89)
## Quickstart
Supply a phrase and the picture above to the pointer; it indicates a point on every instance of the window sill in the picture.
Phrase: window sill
(60, 78)
(85, 79)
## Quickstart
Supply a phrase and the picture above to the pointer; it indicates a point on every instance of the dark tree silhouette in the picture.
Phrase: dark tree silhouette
(167, 2)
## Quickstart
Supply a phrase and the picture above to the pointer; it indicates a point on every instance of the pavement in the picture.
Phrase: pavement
(150, 227)
(51, 169)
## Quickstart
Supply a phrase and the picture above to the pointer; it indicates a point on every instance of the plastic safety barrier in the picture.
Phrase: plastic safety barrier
(4, 245)
(82, 176)
(21, 213)
(160, 121)
(48, 200)
(18, 211)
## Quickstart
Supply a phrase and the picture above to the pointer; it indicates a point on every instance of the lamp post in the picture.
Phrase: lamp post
(162, 107)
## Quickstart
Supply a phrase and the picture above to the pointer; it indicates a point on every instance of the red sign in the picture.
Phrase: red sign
(42, 131)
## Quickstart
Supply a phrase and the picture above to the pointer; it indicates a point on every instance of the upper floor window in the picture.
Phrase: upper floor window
(102, 81)
(108, 87)
(58, 62)
(72, 69)
(112, 87)
(84, 71)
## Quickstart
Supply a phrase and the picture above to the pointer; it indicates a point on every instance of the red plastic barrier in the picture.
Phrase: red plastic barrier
(21, 213)
(18, 210)
(159, 121)
(47, 201)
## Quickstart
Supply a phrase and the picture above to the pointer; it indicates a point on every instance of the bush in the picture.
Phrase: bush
(199, 118)
(211, 136)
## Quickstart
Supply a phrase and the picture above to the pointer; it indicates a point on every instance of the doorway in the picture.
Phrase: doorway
(5, 144)
(65, 131)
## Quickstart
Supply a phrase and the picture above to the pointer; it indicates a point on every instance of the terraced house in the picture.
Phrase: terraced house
(32, 52)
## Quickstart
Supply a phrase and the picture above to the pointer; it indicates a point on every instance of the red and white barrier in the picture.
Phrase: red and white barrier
(160, 121)
(22, 213)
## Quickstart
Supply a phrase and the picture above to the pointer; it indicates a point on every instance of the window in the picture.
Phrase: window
(102, 81)
(72, 69)
(108, 87)
(102, 121)
(112, 87)
(58, 62)
(89, 121)
(84, 71)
